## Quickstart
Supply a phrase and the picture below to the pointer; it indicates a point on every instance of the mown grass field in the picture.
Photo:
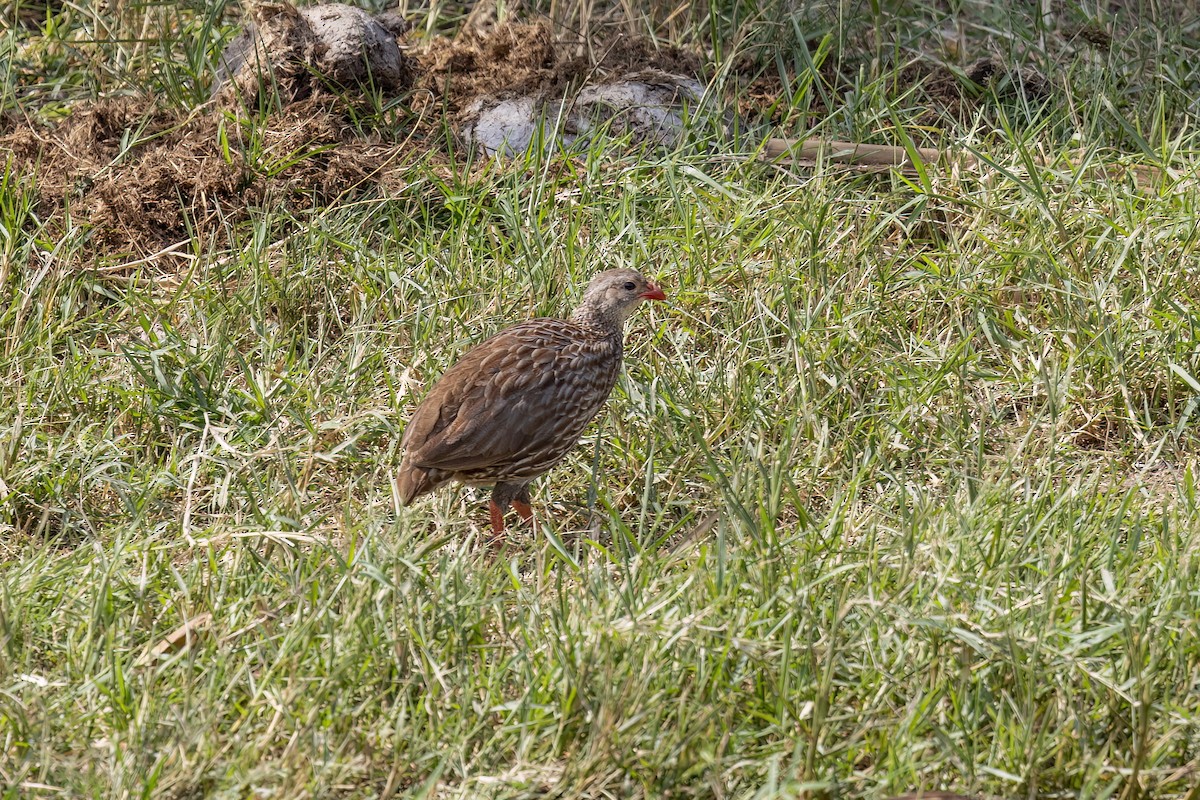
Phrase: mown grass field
(897, 493)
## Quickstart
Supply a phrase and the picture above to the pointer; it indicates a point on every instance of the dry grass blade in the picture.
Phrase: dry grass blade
(182, 638)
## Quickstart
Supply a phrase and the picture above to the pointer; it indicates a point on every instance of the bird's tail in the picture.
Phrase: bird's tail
(413, 481)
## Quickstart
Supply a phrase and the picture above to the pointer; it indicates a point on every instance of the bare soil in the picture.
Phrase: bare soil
(177, 174)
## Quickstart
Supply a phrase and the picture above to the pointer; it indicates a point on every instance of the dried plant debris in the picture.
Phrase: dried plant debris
(184, 181)
(516, 59)
(510, 60)
(1026, 80)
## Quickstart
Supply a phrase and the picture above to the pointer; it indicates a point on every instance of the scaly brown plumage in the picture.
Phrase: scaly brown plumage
(514, 405)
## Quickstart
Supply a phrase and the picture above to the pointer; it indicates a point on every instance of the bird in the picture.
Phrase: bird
(514, 405)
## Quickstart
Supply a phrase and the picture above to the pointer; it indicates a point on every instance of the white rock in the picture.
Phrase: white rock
(650, 107)
(357, 47)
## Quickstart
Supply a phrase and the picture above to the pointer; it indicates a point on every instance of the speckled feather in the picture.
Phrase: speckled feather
(516, 404)
(513, 406)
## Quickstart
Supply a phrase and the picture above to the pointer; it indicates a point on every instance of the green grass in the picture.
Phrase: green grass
(897, 492)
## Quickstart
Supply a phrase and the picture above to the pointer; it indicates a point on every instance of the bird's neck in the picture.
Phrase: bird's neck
(607, 324)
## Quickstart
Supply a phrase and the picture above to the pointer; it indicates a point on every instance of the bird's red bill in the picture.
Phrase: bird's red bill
(653, 293)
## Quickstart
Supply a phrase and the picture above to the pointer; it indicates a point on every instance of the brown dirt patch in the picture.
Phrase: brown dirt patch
(142, 178)
(177, 178)
(515, 59)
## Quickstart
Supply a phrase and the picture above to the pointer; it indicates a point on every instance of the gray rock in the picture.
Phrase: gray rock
(508, 127)
(342, 44)
(650, 107)
(358, 49)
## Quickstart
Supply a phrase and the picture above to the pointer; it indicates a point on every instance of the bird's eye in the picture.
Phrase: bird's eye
(630, 286)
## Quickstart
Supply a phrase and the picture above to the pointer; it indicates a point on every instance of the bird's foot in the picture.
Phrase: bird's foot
(495, 543)
(525, 510)
(497, 514)
(497, 517)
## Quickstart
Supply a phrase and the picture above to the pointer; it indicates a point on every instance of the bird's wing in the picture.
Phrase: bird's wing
(526, 391)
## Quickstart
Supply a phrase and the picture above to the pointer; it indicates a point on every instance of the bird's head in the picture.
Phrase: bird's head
(613, 295)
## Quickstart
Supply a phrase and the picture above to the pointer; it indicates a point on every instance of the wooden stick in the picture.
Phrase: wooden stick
(857, 153)
(884, 157)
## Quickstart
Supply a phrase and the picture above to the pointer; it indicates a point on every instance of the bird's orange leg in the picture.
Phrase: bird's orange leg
(497, 518)
(525, 510)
